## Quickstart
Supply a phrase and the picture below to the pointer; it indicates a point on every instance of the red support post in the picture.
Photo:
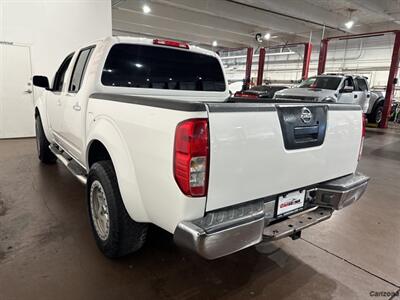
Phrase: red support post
(249, 62)
(306, 60)
(323, 52)
(261, 62)
(394, 69)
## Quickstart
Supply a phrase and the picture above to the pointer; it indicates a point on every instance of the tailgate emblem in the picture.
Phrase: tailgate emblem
(306, 115)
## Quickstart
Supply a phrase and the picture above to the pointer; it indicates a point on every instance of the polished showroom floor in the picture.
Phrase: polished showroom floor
(47, 251)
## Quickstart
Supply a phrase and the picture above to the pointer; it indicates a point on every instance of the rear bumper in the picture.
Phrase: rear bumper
(229, 230)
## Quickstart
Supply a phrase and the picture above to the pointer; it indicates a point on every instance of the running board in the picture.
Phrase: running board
(70, 163)
(296, 223)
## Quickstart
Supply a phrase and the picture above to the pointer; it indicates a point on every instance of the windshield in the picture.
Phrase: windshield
(327, 83)
(142, 66)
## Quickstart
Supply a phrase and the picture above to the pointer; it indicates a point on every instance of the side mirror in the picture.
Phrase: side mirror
(41, 81)
(347, 89)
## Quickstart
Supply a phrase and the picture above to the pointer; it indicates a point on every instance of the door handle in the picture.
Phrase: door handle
(28, 91)
(59, 102)
(76, 107)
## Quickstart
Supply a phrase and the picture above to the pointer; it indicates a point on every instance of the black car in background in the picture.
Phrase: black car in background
(260, 92)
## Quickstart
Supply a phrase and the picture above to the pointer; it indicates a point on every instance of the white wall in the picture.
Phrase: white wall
(53, 29)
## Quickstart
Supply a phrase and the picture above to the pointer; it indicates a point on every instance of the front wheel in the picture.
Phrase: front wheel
(116, 234)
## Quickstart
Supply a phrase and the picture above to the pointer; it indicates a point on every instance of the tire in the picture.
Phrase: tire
(42, 144)
(116, 234)
(376, 115)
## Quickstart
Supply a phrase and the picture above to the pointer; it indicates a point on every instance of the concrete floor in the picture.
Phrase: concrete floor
(47, 251)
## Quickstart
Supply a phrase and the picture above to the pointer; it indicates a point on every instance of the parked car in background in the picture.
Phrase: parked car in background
(261, 91)
(350, 89)
(375, 109)
(157, 144)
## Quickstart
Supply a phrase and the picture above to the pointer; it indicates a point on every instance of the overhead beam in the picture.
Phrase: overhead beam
(240, 13)
(307, 11)
(173, 26)
(184, 16)
(146, 30)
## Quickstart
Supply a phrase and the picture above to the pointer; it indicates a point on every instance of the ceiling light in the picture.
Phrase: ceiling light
(146, 9)
(349, 24)
(138, 65)
(267, 36)
(214, 43)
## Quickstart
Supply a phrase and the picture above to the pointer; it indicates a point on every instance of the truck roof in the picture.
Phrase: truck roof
(341, 75)
(148, 41)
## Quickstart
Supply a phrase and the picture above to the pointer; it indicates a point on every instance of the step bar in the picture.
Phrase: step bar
(70, 163)
(295, 224)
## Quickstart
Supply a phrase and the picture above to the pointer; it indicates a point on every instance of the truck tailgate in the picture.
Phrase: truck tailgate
(259, 149)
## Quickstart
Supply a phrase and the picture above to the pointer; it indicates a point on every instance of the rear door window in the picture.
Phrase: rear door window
(142, 66)
(362, 85)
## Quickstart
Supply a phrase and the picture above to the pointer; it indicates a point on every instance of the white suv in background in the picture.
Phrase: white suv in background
(339, 88)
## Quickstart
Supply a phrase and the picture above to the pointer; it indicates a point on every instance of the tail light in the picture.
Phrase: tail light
(364, 129)
(171, 43)
(191, 157)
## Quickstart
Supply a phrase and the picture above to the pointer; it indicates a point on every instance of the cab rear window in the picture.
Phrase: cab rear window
(142, 66)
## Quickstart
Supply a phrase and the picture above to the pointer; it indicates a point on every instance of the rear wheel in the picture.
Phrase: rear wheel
(116, 234)
(42, 144)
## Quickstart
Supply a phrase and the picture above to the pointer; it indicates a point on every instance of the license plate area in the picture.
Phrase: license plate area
(290, 203)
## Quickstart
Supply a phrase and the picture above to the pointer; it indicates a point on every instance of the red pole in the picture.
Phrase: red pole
(261, 62)
(306, 60)
(394, 69)
(249, 62)
(323, 51)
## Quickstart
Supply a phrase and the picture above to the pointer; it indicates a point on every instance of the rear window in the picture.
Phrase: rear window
(141, 66)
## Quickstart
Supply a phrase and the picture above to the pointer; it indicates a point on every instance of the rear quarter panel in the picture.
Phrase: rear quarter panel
(142, 154)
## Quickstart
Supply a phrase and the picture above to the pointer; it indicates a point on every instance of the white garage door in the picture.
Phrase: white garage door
(16, 98)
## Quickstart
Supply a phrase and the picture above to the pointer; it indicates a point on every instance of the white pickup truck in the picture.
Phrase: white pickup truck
(340, 88)
(148, 127)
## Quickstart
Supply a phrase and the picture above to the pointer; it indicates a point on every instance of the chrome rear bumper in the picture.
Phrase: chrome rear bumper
(226, 231)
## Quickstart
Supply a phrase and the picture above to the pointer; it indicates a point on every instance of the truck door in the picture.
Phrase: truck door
(346, 95)
(54, 102)
(362, 92)
(73, 101)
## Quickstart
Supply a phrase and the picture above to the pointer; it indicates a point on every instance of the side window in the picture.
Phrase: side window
(60, 74)
(79, 69)
(362, 85)
(349, 82)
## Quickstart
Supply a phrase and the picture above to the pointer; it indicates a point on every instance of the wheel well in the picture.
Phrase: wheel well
(97, 152)
(379, 102)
